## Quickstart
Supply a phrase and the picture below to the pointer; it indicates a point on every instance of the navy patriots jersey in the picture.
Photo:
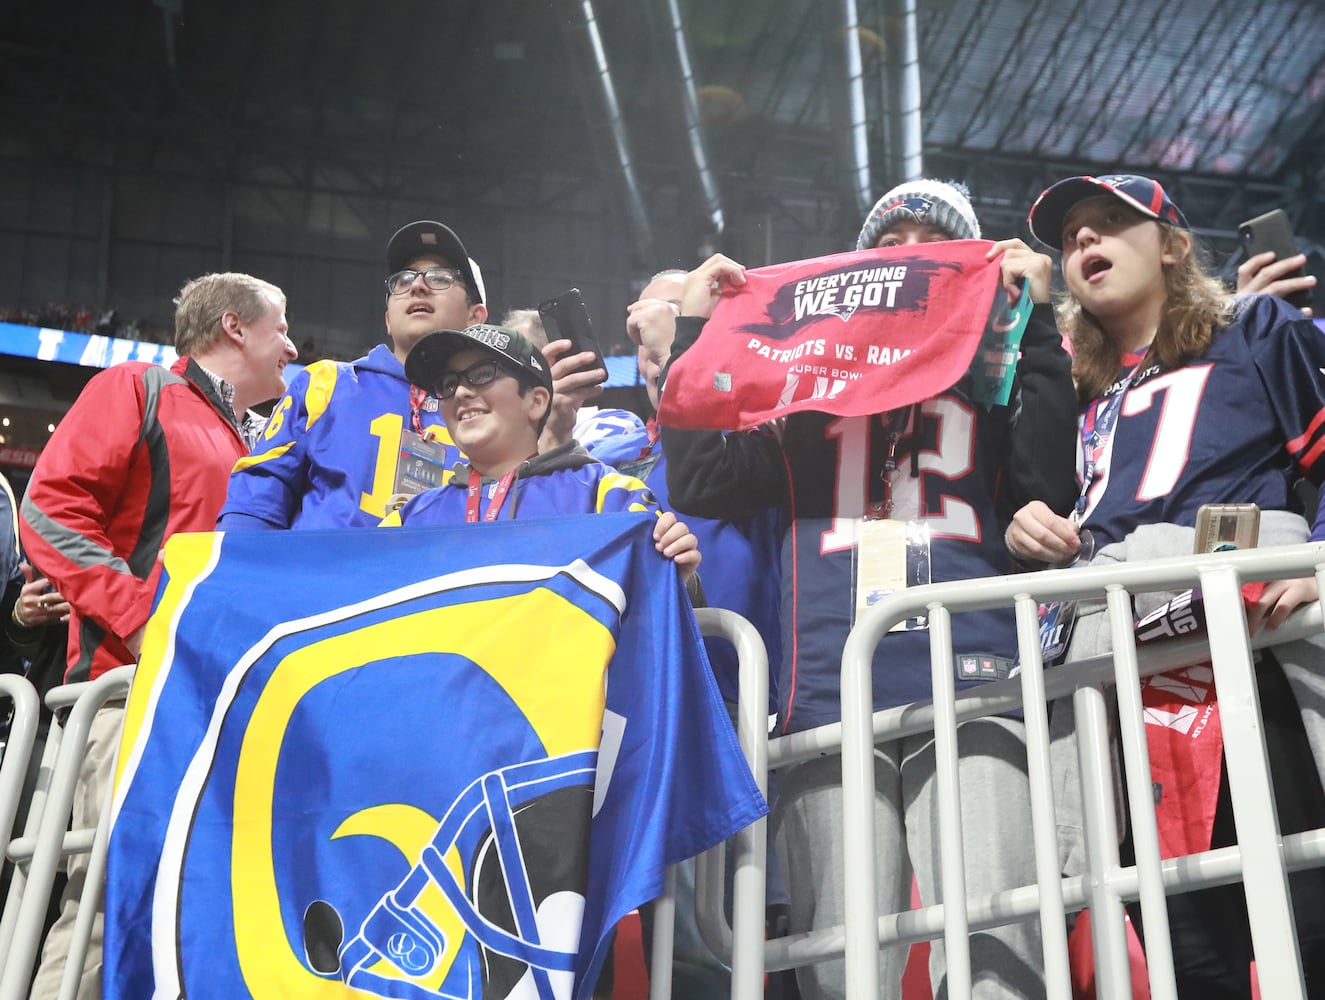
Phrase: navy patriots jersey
(1237, 425)
(961, 466)
(947, 475)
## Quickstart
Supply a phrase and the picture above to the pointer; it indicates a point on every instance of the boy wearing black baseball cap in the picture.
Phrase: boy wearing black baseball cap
(496, 391)
(330, 454)
(491, 382)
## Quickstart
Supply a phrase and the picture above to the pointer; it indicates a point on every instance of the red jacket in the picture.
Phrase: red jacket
(143, 453)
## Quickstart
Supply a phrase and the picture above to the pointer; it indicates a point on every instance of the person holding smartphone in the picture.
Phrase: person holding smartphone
(1188, 397)
(1273, 265)
(1266, 274)
(574, 383)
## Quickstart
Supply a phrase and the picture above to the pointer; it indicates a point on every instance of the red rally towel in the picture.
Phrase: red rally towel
(851, 334)
(1183, 731)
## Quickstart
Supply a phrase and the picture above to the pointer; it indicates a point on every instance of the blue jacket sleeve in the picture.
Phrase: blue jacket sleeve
(236, 520)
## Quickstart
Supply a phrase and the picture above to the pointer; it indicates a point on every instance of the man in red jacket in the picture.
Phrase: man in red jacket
(143, 453)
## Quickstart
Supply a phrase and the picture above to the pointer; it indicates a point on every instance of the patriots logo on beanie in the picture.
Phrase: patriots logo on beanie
(943, 205)
(916, 205)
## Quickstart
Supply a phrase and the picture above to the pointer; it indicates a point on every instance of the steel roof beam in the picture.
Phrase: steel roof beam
(694, 125)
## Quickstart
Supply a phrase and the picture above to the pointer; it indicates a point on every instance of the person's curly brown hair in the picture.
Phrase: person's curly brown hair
(1195, 306)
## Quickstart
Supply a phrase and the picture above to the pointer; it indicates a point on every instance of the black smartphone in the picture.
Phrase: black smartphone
(1272, 231)
(565, 318)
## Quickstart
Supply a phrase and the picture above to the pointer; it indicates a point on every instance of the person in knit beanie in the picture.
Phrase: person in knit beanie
(943, 207)
(952, 465)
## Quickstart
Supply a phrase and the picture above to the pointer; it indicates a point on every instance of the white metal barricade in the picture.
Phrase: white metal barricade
(19, 850)
(17, 747)
(1259, 859)
(740, 944)
(1262, 856)
(14, 763)
(47, 839)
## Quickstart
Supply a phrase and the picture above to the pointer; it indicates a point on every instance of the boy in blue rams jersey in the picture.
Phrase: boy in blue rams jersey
(347, 437)
(962, 467)
(496, 392)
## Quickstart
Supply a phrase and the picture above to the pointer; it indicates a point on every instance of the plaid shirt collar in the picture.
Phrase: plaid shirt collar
(250, 425)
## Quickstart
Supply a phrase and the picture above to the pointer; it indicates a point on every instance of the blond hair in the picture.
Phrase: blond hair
(203, 301)
(1195, 306)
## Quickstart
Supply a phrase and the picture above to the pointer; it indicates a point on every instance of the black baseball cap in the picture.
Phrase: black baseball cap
(427, 238)
(427, 360)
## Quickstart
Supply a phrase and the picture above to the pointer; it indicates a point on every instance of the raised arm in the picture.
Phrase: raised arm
(710, 473)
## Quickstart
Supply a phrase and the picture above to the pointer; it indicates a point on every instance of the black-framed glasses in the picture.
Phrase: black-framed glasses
(439, 279)
(475, 376)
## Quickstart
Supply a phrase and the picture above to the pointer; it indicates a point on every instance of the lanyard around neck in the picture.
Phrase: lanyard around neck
(498, 496)
(1097, 427)
(416, 398)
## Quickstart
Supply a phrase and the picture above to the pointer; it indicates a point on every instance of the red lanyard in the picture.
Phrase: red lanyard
(498, 496)
(416, 398)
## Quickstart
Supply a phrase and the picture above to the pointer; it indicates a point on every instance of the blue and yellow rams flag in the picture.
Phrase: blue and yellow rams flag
(439, 762)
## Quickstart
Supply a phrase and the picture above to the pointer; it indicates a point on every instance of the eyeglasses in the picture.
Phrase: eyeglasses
(439, 279)
(475, 376)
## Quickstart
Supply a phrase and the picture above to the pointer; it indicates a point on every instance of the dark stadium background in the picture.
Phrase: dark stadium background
(146, 141)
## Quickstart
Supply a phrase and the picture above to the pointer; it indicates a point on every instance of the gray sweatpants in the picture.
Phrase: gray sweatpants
(1006, 961)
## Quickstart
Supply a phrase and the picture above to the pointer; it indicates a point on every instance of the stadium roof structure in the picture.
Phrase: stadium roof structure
(762, 111)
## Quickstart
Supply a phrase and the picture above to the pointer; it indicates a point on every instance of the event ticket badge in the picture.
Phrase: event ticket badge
(995, 361)
(891, 555)
(420, 466)
(640, 468)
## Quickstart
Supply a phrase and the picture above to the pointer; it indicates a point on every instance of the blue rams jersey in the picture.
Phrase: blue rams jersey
(1237, 425)
(328, 457)
(601, 425)
(741, 567)
(629, 450)
(948, 462)
(593, 488)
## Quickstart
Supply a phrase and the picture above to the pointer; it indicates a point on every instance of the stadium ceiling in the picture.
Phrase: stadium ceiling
(511, 102)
